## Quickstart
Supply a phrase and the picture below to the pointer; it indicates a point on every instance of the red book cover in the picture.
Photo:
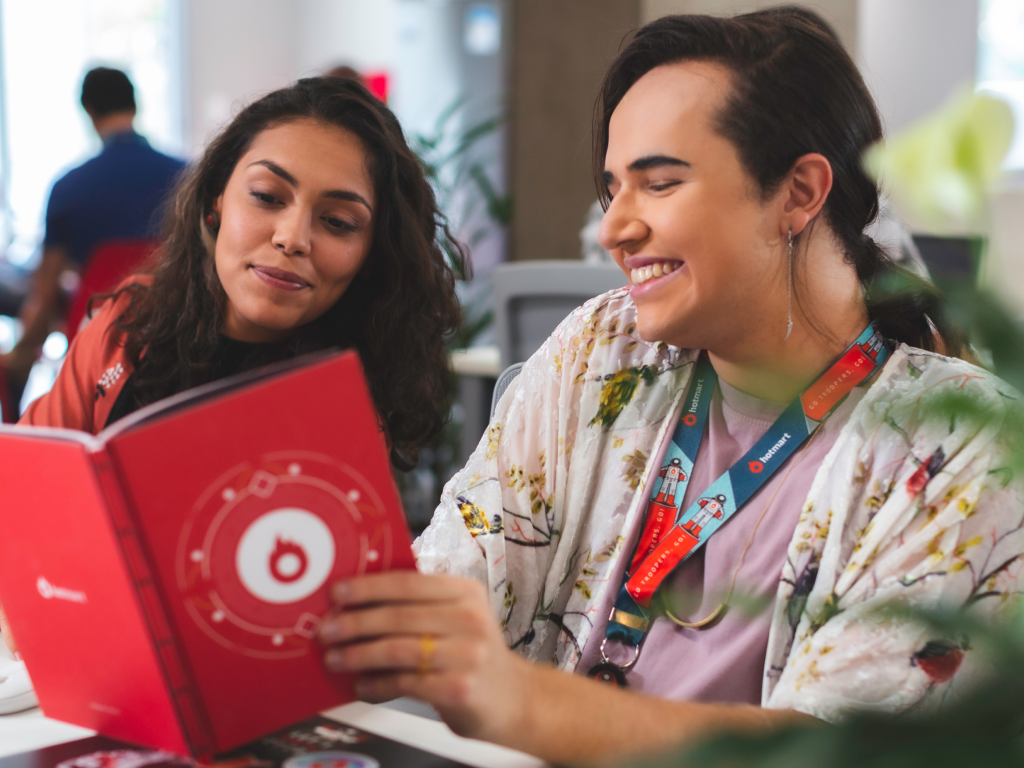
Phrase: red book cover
(166, 578)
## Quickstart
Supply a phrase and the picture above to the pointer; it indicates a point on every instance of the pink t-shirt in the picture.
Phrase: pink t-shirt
(725, 661)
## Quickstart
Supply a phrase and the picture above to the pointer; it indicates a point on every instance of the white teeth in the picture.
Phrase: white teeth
(641, 275)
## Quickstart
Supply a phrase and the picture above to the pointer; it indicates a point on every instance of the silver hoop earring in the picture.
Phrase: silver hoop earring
(789, 286)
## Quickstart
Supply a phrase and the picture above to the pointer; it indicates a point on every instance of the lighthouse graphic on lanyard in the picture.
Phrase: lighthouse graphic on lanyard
(670, 475)
(872, 346)
(661, 511)
(710, 507)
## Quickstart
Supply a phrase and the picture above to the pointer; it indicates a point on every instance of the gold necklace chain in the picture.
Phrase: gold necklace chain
(714, 615)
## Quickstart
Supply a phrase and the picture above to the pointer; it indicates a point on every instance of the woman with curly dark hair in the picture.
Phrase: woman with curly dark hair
(307, 224)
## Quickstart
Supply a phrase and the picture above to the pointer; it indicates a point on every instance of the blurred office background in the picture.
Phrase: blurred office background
(497, 94)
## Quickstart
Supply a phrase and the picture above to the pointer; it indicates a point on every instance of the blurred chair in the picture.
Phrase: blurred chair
(950, 258)
(507, 377)
(532, 297)
(108, 265)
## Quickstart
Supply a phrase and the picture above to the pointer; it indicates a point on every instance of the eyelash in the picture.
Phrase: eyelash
(263, 197)
(341, 224)
(662, 186)
(334, 223)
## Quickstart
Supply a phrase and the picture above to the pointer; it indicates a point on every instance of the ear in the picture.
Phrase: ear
(218, 203)
(805, 191)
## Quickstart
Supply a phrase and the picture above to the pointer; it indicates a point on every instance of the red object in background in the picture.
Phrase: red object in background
(377, 84)
(141, 568)
(108, 265)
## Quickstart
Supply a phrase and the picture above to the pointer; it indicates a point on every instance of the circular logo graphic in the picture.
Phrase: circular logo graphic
(285, 555)
(689, 419)
(331, 760)
(265, 538)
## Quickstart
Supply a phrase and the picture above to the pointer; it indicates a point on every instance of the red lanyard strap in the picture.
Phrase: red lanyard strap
(669, 536)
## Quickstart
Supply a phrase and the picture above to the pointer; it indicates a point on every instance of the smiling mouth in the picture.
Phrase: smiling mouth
(280, 278)
(641, 275)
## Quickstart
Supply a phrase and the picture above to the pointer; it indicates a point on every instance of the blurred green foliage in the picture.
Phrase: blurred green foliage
(452, 163)
(457, 164)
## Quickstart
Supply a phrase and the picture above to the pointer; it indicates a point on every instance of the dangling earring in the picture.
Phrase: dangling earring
(789, 286)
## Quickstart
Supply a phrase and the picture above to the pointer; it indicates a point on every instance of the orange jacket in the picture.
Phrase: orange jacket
(94, 371)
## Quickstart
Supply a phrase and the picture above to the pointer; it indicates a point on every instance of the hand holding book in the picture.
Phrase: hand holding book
(433, 638)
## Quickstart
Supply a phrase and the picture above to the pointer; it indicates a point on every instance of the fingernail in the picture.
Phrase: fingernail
(341, 591)
(335, 660)
(362, 688)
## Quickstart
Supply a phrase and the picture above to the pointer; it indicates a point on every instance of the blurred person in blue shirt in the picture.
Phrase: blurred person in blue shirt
(117, 195)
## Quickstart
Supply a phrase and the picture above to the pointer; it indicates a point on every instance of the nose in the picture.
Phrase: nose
(621, 226)
(292, 235)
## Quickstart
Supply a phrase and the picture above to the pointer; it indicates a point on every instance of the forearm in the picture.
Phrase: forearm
(41, 304)
(434, 638)
(573, 720)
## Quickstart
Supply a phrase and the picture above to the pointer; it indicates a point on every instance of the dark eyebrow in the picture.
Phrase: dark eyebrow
(334, 194)
(644, 164)
(655, 161)
(354, 197)
(276, 169)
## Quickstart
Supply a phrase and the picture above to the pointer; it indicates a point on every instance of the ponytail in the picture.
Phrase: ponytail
(907, 307)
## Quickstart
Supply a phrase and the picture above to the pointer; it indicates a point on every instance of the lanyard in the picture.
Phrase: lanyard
(669, 535)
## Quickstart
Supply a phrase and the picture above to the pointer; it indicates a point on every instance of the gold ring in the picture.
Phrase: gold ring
(427, 646)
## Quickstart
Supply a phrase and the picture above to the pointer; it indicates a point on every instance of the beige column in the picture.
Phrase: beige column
(560, 50)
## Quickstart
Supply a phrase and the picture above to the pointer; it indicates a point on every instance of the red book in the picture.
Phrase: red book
(166, 578)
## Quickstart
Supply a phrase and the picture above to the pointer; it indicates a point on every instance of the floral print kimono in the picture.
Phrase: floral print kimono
(906, 509)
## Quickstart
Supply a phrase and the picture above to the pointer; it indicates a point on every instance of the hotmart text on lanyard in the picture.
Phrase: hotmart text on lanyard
(669, 536)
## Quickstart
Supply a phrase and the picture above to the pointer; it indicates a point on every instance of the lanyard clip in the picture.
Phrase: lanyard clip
(623, 667)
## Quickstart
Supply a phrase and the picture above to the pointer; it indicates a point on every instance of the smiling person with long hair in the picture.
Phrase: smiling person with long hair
(751, 416)
(307, 224)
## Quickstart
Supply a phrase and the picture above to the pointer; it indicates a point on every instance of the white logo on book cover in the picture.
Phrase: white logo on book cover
(285, 555)
(50, 592)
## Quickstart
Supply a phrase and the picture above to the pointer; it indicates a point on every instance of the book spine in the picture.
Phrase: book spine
(186, 702)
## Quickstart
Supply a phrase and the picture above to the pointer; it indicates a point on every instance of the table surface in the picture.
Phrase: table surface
(31, 730)
(477, 361)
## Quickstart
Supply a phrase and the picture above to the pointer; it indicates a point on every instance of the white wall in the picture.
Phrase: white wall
(236, 50)
(914, 53)
(359, 33)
